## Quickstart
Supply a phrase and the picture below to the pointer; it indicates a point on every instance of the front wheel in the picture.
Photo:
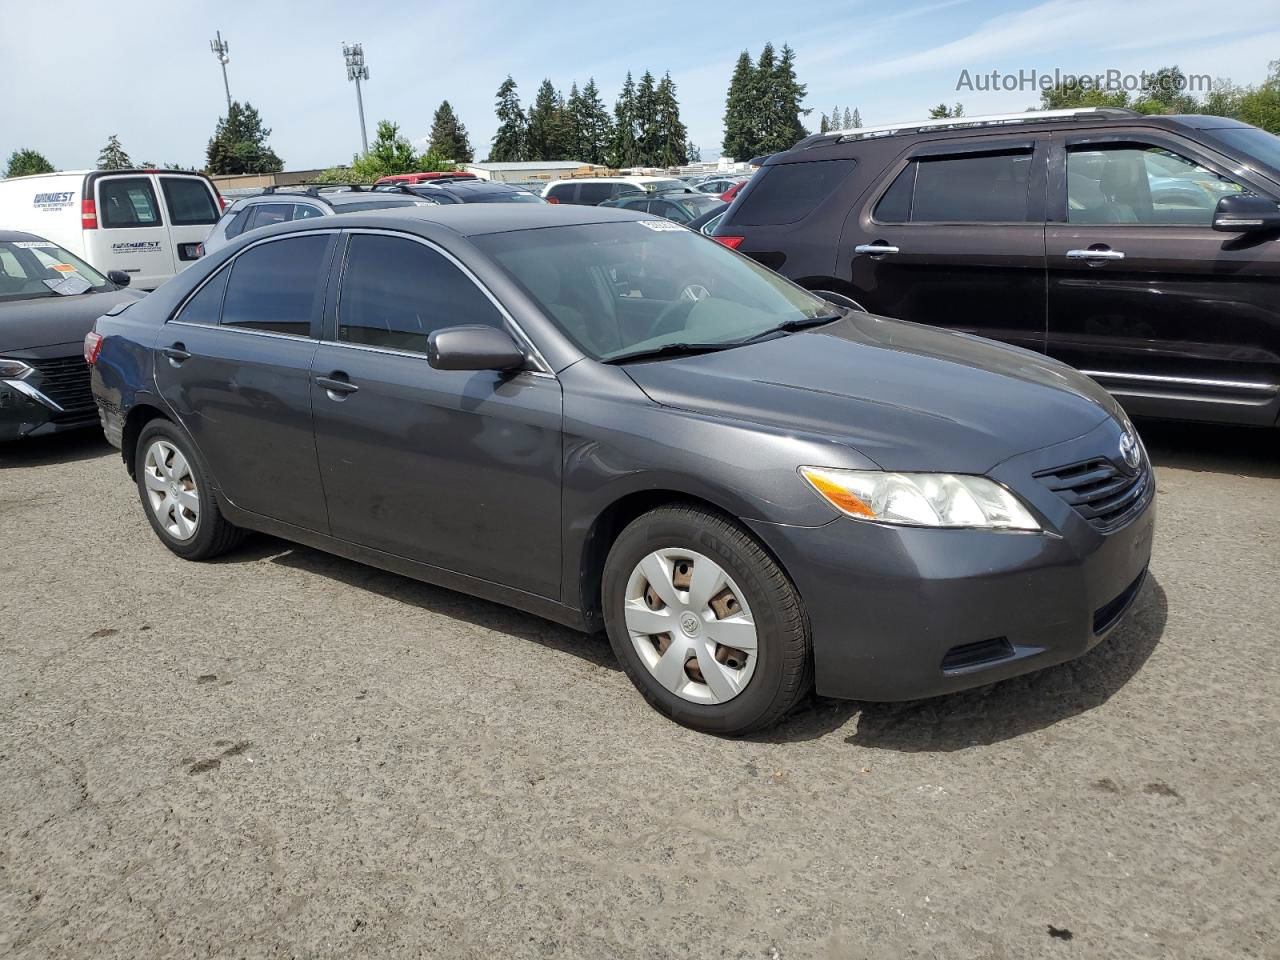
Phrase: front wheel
(706, 624)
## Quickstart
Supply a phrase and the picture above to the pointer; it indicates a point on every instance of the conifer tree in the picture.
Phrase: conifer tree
(511, 140)
(738, 122)
(624, 152)
(113, 157)
(449, 137)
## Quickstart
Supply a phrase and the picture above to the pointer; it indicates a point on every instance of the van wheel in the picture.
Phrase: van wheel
(177, 494)
(708, 627)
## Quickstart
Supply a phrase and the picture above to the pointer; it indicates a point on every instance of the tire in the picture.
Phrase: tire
(736, 700)
(207, 532)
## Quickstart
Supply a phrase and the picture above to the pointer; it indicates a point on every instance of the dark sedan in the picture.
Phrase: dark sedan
(680, 207)
(609, 421)
(49, 299)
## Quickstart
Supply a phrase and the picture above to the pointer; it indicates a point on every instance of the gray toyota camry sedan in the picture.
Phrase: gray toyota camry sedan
(606, 420)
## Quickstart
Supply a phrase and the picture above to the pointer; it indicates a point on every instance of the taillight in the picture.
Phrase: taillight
(552, 200)
(88, 213)
(222, 201)
(92, 347)
(733, 243)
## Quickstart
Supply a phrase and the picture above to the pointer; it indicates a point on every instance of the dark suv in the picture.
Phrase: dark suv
(1143, 250)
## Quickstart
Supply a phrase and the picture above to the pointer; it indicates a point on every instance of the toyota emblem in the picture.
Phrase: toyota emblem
(1130, 452)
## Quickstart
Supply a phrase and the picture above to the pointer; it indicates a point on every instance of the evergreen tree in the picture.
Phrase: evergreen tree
(692, 154)
(672, 135)
(112, 156)
(785, 103)
(239, 144)
(548, 134)
(595, 130)
(823, 126)
(943, 112)
(765, 122)
(624, 152)
(854, 122)
(834, 121)
(511, 141)
(24, 163)
(738, 124)
(449, 137)
(575, 127)
(648, 135)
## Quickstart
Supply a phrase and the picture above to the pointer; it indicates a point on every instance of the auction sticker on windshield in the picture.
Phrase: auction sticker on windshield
(662, 226)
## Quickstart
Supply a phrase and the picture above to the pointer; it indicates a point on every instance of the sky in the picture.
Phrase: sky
(77, 73)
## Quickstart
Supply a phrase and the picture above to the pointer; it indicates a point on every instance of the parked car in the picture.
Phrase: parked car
(602, 418)
(472, 191)
(274, 206)
(719, 185)
(146, 223)
(411, 178)
(707, 222)
(1140, 249)
(49, 299)
(589, 191)
(680, 207)
(729, 195)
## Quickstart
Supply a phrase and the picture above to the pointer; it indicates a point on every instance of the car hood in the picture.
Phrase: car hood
(27, 324)
(907, 396)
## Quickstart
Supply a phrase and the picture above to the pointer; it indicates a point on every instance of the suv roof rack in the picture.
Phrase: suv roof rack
(964, 123)
(313, 189)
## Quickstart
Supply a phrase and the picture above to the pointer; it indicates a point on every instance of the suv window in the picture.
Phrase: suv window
(1143, 184)
(189, 201)
(303, 211)
(790, 192)
(274, 286)
(206, 306)
(265, 214)
(985, 188)
(395, 292)
(593, 193)
(563, 192)
(128, 202)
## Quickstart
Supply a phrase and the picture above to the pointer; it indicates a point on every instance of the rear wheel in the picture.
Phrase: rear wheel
(707, 626)
(177, 494)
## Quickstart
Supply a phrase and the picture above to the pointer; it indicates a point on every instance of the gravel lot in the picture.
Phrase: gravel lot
(285, 754)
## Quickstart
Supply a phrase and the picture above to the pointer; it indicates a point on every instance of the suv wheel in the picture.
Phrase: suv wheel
(177, 495)
(707, 626)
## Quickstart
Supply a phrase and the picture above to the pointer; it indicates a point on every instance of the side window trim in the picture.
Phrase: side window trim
(1056, 210)
(176, 316)
(328, 332)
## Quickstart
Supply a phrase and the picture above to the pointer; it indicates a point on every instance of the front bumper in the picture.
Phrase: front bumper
(27, 411)
(900, 613)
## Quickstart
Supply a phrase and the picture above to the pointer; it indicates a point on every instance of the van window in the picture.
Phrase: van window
(127, 202)
(274, 286)
(984, 188)
(396, 292)
(790, 192)
(189, 201)
(563, 192)
(593, 193)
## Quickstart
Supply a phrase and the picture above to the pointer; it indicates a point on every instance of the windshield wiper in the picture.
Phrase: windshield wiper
(790, 326)
(672, 350)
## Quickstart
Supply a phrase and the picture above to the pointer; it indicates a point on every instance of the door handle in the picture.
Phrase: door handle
(875, 249)
(176, 353)
(1101, 253)
(337, 385)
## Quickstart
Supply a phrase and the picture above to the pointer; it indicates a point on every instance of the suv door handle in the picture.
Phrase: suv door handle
(875, 249)
(337, 385)
(1098, 253)
(176, 353)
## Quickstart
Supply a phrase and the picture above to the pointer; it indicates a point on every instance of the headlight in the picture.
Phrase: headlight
(920, 499)
(13, 369)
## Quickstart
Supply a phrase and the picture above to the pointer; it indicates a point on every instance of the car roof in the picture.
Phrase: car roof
(9, 236)
(467, 219)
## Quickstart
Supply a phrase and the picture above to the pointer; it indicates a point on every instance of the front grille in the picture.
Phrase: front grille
(1099, 491)
(65, 381)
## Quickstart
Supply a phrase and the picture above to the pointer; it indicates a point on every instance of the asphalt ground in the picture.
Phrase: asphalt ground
(286, 754)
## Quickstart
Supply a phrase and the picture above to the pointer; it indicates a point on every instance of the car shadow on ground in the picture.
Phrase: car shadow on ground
(1213, 448)
(56, 448)
(594, 649)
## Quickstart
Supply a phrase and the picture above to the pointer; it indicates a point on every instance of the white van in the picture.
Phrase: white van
(148, 223)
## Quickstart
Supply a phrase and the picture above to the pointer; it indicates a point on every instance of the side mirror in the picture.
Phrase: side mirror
(119, 278)
(1240, 213)
(473, 348)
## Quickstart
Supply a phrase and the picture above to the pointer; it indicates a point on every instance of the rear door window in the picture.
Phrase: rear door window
(274, 286)
(983, 188)
(206, 306)
(395, 292)
(189, 200)
(789, 192)
(265, 214)
(593, 193)
(128, 202)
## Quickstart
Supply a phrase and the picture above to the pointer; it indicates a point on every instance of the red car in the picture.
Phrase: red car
(732, 192)
(412, 178)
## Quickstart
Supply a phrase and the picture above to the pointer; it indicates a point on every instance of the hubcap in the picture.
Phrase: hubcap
(690, 625)
(171, 490)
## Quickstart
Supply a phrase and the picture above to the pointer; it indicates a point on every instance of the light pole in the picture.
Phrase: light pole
(357, 71)
(220, 49)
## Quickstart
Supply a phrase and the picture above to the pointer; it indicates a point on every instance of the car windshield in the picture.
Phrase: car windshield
(38, 268)
(618, 289)
(503, 196)
(663, 186)
(1256, 143)
(700, 205)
